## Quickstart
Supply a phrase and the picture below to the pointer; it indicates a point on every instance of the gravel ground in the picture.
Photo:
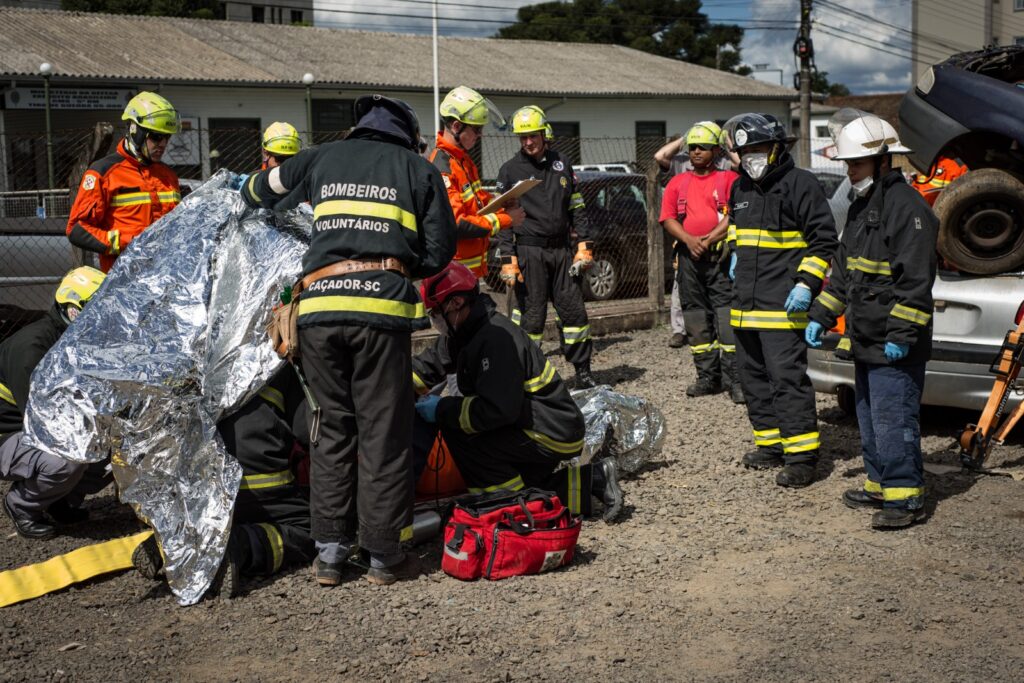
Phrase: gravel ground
(715, 574)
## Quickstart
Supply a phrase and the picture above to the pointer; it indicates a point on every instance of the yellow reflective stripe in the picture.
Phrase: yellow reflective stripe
(517, 315)
(564, 447)
(801, 443)
(768, 320)
(767, 437)
(361, 304)
(475, 185)
(914, 315)
(727, 348)
(131, 199)
(814, 266)
(831, 303)
(731, 236)
(495, 223)
(574, 489)
(269, 480)
(770, 239)
(844, 344)
(250, 186)
(419, 384)
(6, 395)
(542, 380)
(539, 337)
(696, 349)
(405, 535)
(471, 263)
(868, 266)
(902, 493)
(276, 544)
(513, 484)
(872, 486)
(273, 397)
(576, 201)
(171, 197)
(464, 421)
(576, 335)
(350, 207)
(114, 238)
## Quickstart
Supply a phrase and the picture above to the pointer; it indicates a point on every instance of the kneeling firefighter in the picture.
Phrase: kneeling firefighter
(882, 280)
(515, 421)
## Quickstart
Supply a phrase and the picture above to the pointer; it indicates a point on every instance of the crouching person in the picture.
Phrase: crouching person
(270, 527)
(515, 422)
(47, 489)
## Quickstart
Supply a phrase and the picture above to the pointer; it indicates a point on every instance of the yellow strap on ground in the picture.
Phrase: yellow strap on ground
(35, 580)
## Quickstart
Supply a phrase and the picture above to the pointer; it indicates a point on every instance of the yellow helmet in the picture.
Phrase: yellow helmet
(549, 132)
(470, 107)
(152, 112)
(79, 285)
(281, 138)
(529, 119)
(704, 133)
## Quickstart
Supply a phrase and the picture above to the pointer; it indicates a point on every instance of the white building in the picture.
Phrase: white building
(941, 29)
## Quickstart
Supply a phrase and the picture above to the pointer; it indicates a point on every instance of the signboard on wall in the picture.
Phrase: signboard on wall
(67, 98)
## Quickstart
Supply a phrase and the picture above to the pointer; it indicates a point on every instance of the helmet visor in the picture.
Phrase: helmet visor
(842, 117)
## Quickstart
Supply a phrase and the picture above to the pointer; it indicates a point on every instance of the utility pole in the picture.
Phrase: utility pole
(804, 50)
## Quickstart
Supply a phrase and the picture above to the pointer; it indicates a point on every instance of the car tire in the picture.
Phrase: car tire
(601, 281)
(981, 222)
(847, 400)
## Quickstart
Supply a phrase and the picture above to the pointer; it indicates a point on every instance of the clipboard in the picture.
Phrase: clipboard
(516, 191)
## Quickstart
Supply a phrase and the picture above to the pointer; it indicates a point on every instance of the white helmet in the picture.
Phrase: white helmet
(867, 136)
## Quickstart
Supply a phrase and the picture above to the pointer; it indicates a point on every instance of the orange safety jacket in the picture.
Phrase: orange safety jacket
(118, 198)
(472, 231)
(944, 172)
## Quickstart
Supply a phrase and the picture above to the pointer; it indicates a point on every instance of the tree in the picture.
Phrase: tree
(668, 28)
(196, 9)
(821, 84)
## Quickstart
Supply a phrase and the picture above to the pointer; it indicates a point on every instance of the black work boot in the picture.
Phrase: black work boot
(28, 527)
(796, 475)
(607, 471)
(763, 459)
(64, 513)
(405, 570)
(584, 380)
(147, 560)
(328, 573)
(227, 582)
(677, 341)
(736, 393)
(859, 498)
(704, 386)
(896, 518)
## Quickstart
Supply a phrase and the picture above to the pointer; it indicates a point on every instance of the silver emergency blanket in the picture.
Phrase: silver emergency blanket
(625, 427)
(173, 341)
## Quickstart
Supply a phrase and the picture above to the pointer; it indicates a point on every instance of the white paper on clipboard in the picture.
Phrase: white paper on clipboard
(516, 191)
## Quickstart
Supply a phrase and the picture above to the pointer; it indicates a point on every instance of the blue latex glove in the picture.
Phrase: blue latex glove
(896, 351)
(732, 266)
(238, 182)
(813, 334)
(426, 407)
(799, 299)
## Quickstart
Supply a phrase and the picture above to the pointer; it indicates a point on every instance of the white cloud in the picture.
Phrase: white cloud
(853, 50)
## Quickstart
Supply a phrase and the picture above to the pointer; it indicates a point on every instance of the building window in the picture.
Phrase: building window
(1018, 5)
(296, 16)
(567, 139)
(1018, 40)
(331, 118)
(650, 136)
(259, 14)
(235, 144)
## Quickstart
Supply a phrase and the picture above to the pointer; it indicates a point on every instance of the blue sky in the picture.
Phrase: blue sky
(868, 56)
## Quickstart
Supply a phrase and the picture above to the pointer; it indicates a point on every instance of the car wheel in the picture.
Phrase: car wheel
(981, 222)
(600, 281)
(847, 400)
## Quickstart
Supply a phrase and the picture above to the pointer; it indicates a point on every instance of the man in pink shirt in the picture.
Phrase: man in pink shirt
(693, 210)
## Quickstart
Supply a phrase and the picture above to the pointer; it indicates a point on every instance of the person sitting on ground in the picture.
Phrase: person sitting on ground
(47, 489)
(515, 422)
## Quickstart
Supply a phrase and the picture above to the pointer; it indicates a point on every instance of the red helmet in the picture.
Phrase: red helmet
(454, 279)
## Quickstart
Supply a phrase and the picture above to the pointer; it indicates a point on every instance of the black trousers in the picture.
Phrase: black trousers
(546, 276)
(272, 528)
(780, 397)
(508, 459)
(705, 294)
(362, 378)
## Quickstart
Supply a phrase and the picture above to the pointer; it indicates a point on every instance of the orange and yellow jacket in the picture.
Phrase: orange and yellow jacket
(118, 198)
(944, 172)
(472, 231)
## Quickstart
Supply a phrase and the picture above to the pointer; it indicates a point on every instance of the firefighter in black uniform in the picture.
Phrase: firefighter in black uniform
(536, 259)
(882, 279)
(44, 484)
(380, 217)
(783, 238)
(515, 421)
(270, 526)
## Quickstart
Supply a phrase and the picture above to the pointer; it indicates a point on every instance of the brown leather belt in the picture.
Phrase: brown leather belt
(355, 266)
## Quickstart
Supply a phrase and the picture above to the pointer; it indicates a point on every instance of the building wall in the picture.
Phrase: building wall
(943, 29)
(1008, 22)
(272, 11)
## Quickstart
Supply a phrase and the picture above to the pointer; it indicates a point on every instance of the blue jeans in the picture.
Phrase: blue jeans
(888, 410)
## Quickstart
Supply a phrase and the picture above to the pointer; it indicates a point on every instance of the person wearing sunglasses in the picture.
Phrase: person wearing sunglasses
(124, 193)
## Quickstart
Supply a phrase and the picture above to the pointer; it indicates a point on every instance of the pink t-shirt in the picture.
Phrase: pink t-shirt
(705, 196)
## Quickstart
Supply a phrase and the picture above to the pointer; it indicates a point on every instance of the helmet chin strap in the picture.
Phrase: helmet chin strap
(135, 141)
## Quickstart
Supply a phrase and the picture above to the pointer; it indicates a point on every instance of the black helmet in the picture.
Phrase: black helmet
(746, 130)
(390, 116)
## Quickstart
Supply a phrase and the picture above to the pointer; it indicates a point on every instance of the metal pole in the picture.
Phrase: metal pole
(437, 87)
(49, 131)
(806, 53)
(308, 79)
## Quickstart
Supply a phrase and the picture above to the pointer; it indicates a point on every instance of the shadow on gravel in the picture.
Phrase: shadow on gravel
(602, 343)
(620, 373)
